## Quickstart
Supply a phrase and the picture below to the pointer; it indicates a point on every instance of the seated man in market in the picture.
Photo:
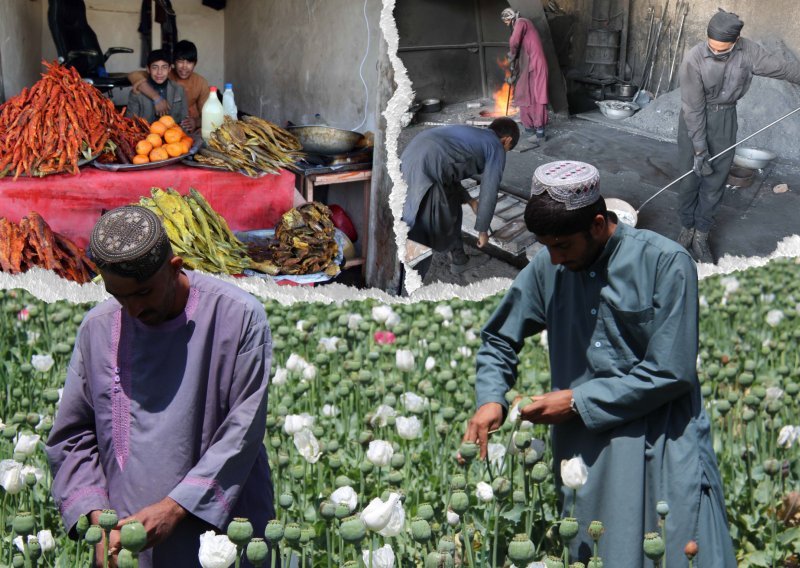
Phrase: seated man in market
(164, 408)
(158, 68)
(620, 307)
(433, 165)
(194, 85)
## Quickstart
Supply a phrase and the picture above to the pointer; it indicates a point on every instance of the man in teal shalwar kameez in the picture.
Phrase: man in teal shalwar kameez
(620, 308)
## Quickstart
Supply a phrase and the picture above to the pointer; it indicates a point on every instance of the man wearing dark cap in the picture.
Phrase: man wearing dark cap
(620, 309)
(433, 165)
(158, 69)
(164, 407)
(714, 75)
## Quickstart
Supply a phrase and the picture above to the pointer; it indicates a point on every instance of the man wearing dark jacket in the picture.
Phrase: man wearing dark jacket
(433, 165)
(714, 75)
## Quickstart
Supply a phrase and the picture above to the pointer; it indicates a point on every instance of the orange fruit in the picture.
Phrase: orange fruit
(140, 159)
(174, 149)
(158, 128)
(187, 142)
(173, 134)
(155, 140)
(143, 147)
(167, 121)
(158, 154)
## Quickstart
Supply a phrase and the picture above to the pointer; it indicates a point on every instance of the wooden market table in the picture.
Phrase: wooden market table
(71, 204)
(354, 173)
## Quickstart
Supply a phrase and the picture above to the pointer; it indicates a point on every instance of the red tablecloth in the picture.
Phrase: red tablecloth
(71, 204)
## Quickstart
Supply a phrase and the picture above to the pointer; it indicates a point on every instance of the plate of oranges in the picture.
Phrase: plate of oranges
(166, 144)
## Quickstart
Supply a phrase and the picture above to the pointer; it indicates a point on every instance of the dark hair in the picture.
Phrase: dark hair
(505, 126)
(544, 216)
(158, 55)
(186, 50)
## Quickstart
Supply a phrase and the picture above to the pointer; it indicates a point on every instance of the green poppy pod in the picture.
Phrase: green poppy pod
(521, 549)
(133, 536)
(23, 524)
(654, 546)
(257, 552)
(568, 528)
(240, 531)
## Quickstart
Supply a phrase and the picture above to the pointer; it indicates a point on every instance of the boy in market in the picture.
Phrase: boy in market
(158, 68)
(195, 86)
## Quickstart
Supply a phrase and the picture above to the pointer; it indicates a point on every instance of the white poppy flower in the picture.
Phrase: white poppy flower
(385, 517)
(345, 495)
(452, 518)
(392, 320)
(216, 550)
(46, 540)
(465, 351)
(496, 453)
(33, 336)
(37, 472)
(300, 325)
(774, 317)
(26, 444)
(774, 393)
(788, 436)
(445, 311)
(307, 445)
(381, 313)
(380, 453)
(296, 363)
(11, 478)
(413, 402)
(543, 339)
(353, 321)
(408, 428)
(42, 363)
(484, 492)
(574, 472)
(382, 415)
(471, 335)
(430, 363)
(280, 377)
(309, 373)
(294, 423)
(382, 557)
(329, 344)
(329, 411)
(404, 360)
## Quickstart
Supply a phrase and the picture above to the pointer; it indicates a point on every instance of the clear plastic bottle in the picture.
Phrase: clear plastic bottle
(212, 115)
(228, 102)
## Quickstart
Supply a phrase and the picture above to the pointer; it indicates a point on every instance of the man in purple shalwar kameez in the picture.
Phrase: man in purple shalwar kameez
(164, 408)
(529, 64)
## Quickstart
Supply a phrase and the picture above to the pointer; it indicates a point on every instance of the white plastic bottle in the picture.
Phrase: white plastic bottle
(228, 102)
(212, 115)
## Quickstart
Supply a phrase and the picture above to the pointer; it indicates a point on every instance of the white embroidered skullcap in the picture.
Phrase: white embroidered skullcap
(509, 14)
(575, 184)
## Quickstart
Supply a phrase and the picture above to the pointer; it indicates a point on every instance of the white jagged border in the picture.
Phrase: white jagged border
(49, 287)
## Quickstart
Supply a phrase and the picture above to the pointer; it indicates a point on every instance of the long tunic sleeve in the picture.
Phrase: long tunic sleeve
(79, 482)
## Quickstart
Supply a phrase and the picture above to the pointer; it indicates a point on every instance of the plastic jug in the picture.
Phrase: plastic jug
(228, 102)
(212, 115)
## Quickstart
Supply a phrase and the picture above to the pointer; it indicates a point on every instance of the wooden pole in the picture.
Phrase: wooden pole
(383, 266)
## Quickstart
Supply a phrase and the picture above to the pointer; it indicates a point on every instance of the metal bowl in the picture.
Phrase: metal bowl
(325, 139)
(753, 158)
(431, 105)
(626, 90)
(624, 210)
(617, 110)
(740, 177)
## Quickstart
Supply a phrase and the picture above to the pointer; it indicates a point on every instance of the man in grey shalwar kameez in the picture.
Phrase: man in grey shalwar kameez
(714, 75)
(164, 408)
(620, 309)
(433, 165)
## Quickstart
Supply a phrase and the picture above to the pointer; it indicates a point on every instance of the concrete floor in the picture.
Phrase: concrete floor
(633, 167)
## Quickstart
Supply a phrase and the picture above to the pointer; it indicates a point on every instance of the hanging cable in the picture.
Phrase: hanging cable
(361, 71)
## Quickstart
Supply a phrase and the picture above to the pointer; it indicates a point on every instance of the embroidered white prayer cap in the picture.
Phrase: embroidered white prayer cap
(575, 184)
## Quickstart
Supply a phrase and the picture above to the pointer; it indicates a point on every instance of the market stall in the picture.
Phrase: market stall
(72, 204)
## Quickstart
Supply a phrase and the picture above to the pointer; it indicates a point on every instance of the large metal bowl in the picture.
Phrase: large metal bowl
(325, 139)
(624, 210)
(753, 158)
(617, 109)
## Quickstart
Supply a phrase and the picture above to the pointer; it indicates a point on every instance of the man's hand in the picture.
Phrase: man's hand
(483, 239)
(701, 166)
(159, 520)
(550, 408)
(162, 107)
(487, 417)
(189, 124)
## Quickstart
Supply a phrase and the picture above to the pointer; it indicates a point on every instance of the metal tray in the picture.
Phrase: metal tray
(150, 165)
(82, 162)
(190, 161)
(315, 278)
